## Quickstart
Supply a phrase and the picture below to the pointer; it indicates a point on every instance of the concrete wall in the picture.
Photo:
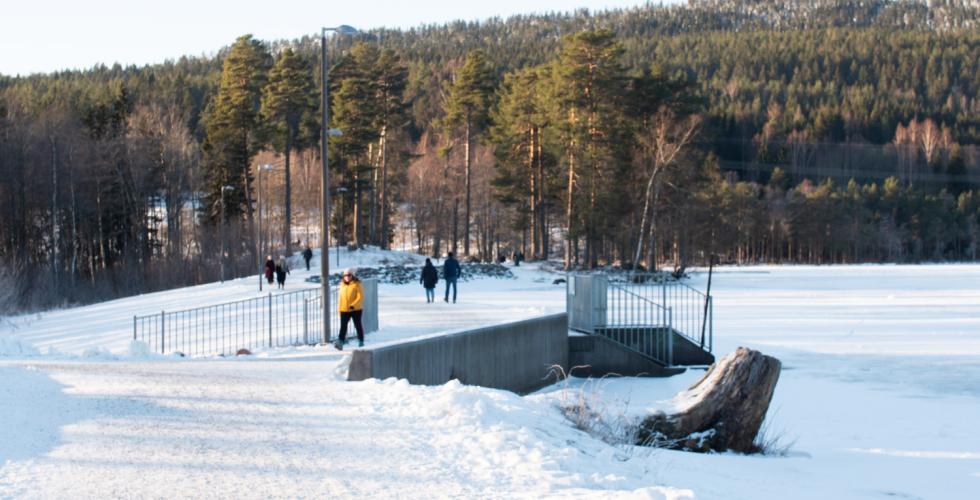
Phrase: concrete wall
(370, 317)
(514, 356)
(596, 356)
(585, 301)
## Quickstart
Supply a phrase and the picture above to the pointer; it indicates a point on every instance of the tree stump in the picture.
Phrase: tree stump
(725, 410)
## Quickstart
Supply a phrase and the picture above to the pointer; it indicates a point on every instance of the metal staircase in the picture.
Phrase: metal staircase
(667, 321)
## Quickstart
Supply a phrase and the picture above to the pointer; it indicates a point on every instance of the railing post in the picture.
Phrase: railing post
(134, 327)
(670, 337)
(270, 319)
(306, 321)
(163, 330)
(711, 324)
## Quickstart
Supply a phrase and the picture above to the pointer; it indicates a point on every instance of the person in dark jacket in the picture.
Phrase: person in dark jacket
(281, 271)
(307, 256)
(270, 269)
(429, 279)
(450, 273)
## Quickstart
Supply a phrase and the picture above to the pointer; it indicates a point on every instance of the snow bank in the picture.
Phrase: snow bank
(11, 346)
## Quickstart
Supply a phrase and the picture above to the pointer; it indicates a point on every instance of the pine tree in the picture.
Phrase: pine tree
(392, 78)
(354, 110)
(519, 118)
(589, 85)
(467, 112)
(233, 128)
(289, 114)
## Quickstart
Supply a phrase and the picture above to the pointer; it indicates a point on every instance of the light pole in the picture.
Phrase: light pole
(325, 132)
(224, 238)
(258, 236)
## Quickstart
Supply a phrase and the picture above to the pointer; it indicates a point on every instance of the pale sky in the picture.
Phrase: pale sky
(49, 35)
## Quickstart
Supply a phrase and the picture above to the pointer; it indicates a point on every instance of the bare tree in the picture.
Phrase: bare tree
(659, 148)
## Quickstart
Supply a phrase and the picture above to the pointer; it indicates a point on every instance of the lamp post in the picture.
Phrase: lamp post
(258, 236)
(224, 238)
(325, 132)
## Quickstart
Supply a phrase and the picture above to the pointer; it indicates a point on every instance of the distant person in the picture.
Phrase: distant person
(450, 273)
(307, 256)
(270, 269)
(350, 305)
(518, 257)
(429, 279)
(281, 271)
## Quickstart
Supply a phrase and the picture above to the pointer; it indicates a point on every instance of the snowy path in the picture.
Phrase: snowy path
(240, 429)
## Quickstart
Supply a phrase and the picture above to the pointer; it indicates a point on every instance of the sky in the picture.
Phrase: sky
(42, 36)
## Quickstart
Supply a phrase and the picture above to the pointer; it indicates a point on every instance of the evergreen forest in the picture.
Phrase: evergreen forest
(646, 138)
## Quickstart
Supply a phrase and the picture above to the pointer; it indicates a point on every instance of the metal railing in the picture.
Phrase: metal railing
(638, 323)
(273, 320)
(691, 309)
(641, 311)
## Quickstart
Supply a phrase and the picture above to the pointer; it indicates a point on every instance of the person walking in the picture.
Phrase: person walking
(282, 269)
(307, 256)
(429, 279)
(450, 273)
(270, 269)
(350, 305)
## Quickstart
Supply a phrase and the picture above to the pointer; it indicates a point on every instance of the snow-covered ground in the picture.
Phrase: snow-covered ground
(879, 398)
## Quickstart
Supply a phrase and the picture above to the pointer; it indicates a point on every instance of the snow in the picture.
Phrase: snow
(879, 397)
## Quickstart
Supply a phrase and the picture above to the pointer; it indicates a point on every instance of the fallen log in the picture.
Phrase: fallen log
(722, 411)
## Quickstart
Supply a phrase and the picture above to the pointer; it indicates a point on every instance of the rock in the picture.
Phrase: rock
(243, 352)
(726, 410)
(400, 275)
(558, 281)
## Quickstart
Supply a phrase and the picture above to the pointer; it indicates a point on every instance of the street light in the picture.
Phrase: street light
(325, 132)
(258, 236)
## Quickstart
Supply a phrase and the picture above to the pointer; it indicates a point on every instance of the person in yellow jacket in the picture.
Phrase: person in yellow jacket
(350, 305)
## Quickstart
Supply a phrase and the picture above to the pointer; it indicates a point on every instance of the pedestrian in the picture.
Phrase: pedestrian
(429, 279)
(281, 271)
(450, 273)
(350, 305)
(307, 256)
(270, 269)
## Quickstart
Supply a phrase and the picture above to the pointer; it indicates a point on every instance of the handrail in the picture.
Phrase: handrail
(269, 320)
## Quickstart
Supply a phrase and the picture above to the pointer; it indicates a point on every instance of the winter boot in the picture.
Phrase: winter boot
(337, 345)
(360, 343)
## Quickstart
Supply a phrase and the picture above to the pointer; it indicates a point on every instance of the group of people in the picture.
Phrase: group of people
(430, 278)
(276, 270)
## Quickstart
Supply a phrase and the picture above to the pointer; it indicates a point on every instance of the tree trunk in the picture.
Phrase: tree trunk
(384, 188)
(728, 406)
(287, 236)
(466, 217)
(568, 210)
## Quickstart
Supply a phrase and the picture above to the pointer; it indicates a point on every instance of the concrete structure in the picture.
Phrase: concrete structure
(515, 356)
(370, 318)
(596, 356)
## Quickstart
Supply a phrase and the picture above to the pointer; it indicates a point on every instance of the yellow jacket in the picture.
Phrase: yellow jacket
(350, 296)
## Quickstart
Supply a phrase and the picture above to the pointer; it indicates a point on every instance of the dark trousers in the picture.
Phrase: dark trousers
(347, 316)
(307, 264)
(451, 282)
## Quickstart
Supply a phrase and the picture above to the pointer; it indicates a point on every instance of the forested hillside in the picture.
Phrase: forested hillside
(817, 131)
